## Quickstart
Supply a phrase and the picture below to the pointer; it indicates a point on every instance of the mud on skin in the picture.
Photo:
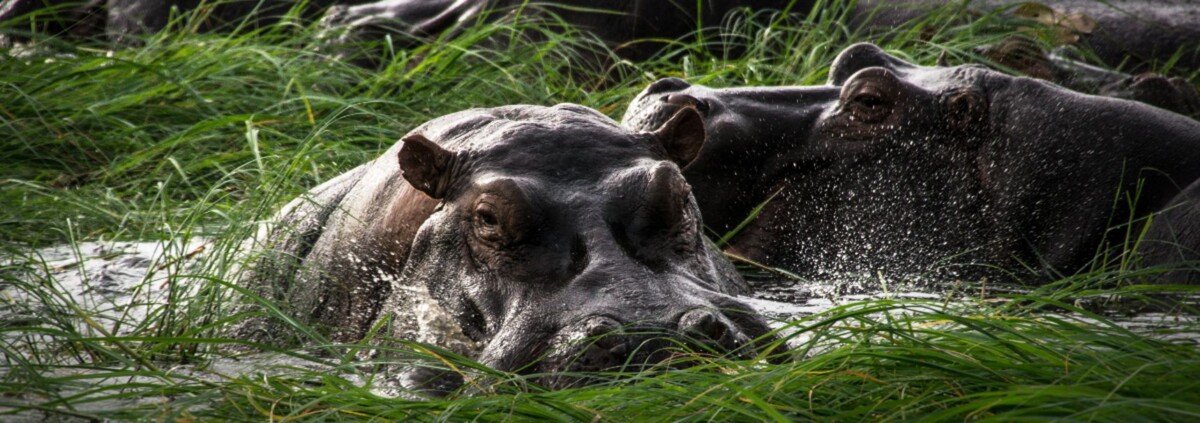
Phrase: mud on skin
(517, 235)
(897, 168)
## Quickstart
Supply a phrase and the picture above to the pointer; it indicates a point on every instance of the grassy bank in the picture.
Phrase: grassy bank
(195, 138)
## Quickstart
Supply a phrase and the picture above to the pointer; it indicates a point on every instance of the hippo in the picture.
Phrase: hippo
(1132, 33)
(117, 20)
(1025, 56)
(512, 234)
(634, 30)
(1136, 34)
(902, 169)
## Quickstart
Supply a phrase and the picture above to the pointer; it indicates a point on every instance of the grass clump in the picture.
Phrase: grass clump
(191, 139)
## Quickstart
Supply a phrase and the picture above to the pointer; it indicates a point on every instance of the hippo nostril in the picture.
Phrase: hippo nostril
(619, 350)
(667, 84)
(686, 100)
(703, 323)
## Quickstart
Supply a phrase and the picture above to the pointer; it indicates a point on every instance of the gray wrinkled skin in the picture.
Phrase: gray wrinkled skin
(548, 226)
(897, 168)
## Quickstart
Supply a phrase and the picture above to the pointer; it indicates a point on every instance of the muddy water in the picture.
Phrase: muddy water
(120, 283)
(787, 300)
(112, 281)
(126, 280)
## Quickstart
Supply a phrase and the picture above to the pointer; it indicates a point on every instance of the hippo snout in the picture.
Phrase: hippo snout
(603, 343)
(713, 329)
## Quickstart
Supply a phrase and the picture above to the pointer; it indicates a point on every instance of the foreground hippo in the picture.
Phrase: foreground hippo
(899, 168)
(511, 234)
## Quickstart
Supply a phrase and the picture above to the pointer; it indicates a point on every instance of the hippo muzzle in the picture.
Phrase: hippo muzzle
(614, 325)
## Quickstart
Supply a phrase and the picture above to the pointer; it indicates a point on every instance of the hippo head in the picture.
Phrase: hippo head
(895, 166)
(556, 226)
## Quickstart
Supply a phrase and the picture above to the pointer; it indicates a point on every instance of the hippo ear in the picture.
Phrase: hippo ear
(682, 136)
(425, 165)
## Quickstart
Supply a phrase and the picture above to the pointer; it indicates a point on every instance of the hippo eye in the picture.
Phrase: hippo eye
(869, 99)
(871, 95)
(868, 106)
(487, 224)
(487, 218)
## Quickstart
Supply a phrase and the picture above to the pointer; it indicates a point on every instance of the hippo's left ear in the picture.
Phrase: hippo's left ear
(682, 136)
(425, 165)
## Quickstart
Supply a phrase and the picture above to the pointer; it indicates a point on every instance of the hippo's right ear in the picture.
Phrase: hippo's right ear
(426, 165)
(682, 136)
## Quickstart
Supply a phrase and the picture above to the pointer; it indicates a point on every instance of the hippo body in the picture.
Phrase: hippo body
(635, 30)
(901, 169)
(1171, 240)
(1130, 33)
(1025, 57)
(1134, 34)
(118, 19)
(519, 229)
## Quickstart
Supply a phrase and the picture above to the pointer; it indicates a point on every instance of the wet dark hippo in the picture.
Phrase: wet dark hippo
(1130, 33)
(635, 30)
(117, 19)
(1026, 57)
(512, 234)
(901, 168)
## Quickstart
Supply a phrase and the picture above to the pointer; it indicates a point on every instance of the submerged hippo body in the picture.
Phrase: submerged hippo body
(508, 234)
(901, 168)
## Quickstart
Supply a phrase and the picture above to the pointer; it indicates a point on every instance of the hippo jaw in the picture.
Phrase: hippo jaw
(622, 333)
(603, 344)
(595, 234)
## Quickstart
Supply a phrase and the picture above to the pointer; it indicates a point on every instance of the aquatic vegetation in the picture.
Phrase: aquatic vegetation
(190, 140)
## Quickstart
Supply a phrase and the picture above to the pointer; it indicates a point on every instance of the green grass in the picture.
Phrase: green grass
(191, 137)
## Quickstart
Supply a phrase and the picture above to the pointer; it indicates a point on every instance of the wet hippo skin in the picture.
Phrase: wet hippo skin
(1129, 33)
(1024, 56)
(512, 234)
(898, 168)
(1132, 34)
